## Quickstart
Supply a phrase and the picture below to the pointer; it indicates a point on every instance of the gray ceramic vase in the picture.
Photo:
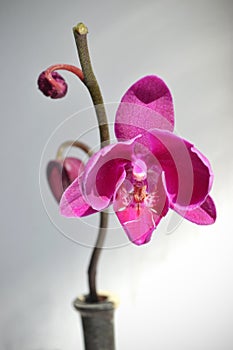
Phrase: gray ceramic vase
(97, 322)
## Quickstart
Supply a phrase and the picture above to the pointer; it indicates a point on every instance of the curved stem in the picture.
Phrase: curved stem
(75, 70)
(77, 144)
(92, 269)
(80, 34)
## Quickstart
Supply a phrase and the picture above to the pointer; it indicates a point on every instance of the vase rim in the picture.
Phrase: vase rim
(110, 302)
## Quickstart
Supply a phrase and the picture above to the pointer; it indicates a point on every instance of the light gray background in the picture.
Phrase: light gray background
(176, 292)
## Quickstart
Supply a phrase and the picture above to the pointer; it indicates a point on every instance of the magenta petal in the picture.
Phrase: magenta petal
(103, 171)
(203, 215)
(147, 105)
(73, 203)
(188, 174)
(138, 226)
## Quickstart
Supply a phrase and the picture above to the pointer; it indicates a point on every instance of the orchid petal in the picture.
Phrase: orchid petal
(73, 203)
(188, 174)
(147, 104)
(203, 215)
(103, 171)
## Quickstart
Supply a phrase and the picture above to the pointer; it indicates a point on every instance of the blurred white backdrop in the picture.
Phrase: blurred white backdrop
(176, 292)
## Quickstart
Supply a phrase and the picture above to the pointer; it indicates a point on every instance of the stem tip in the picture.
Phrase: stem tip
(81, 29)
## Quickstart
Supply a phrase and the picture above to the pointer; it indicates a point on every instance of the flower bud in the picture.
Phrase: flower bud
(55, 87)
(61, 173)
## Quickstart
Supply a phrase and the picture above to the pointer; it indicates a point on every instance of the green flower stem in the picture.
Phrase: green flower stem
(80, 34)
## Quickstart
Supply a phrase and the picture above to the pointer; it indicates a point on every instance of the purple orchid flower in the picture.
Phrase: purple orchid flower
(147, 172)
